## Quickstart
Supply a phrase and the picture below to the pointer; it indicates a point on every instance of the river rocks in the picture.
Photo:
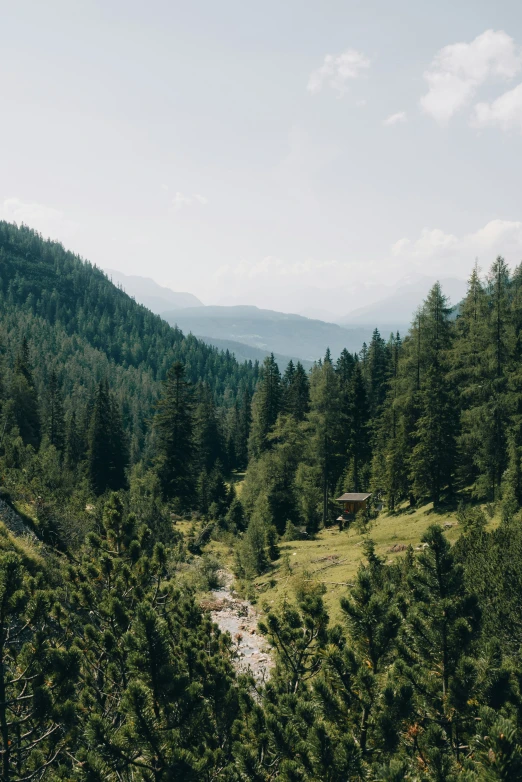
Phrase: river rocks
(239, 618)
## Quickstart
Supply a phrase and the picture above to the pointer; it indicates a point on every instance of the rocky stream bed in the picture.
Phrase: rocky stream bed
(239, 618)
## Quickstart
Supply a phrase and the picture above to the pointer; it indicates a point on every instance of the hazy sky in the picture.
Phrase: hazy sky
(280, 153)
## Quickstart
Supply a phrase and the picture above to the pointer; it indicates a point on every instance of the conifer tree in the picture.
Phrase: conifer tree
(208, 445)
(355, 677)
(38, 672)
(378, 371)
(25, 399)
(54, 416)
(107, 448)
(325, 422)
(441, 623)
(266, 406)
(296, 391)
(241, 430)
(433, 457)
(174, 426)
(468, 372)
(512, 478)
(74, 446)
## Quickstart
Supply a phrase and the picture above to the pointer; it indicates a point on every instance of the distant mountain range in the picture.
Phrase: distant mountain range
(153, 296)
(292, 336)
(398, 306)
(252, 333)
(244, 352)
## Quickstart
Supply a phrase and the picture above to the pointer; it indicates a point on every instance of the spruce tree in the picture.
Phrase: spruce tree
(54, 424)
(357, 475)
(266, 406)
(378, 372)
(107, 457)
(25, 399)
(208, 442)
(433, 457)
(326, 429)
(468, 372)
(174, 427)
(296, 391)
(74, 445)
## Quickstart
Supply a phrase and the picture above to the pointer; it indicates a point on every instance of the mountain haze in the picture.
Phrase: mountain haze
(268, 330)
(155, 297)
(397, 307)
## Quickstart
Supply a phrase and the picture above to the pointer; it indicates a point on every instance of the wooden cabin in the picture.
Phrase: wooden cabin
(352, 503)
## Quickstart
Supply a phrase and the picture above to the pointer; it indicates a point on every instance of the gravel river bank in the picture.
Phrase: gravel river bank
(239, 618)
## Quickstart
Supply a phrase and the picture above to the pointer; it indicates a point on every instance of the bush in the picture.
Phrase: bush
(291, 531)
(209, 577)
(471, 518)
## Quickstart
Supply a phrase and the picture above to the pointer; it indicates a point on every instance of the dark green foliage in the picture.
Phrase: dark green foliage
(54, 424)
(38, 675)
(296, 391)
(107, 456)
(174, 425)
(266, 406)
(24, 398)
(109, 670)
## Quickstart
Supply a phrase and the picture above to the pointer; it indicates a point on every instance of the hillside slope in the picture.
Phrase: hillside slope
(70, 310)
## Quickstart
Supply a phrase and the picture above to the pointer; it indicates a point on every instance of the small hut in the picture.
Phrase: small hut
(352, 502)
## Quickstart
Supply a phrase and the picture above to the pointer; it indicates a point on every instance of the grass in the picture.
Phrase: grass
(333, 557)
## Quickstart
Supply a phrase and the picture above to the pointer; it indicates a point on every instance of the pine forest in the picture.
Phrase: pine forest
(143, 473)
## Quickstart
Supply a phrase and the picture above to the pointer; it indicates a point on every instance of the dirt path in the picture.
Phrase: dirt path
(239, 618)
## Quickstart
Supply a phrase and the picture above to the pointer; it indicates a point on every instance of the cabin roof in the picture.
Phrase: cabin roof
(354, 497)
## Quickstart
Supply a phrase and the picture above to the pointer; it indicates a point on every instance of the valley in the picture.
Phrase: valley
(174, 544)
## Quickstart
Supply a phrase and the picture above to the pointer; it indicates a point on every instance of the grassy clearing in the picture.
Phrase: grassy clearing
(333, 557)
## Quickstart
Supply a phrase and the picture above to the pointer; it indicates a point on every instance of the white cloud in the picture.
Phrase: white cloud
(444, 253)
(395, 119)
(48, 221)
(181, 200)
(337, 70)
(458, 70)
(505, 112)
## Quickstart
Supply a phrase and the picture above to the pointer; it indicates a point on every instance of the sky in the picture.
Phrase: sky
(295, 155)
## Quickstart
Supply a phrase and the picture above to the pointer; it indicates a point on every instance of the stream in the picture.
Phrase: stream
(239, 618)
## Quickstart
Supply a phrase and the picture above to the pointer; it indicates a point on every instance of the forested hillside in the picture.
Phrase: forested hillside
(121, 446)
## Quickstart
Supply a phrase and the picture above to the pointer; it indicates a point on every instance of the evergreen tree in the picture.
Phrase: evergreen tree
(296, 391)
(208, 442)
(54, 416)
(74, 445)
(107, 449)
(174, 426)
(378, 371)
(266, 406)
(441, 623)
(468, 371)
(325, 422)
(38, 671)
(25, 399)
(359, 447)
(433, 457)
